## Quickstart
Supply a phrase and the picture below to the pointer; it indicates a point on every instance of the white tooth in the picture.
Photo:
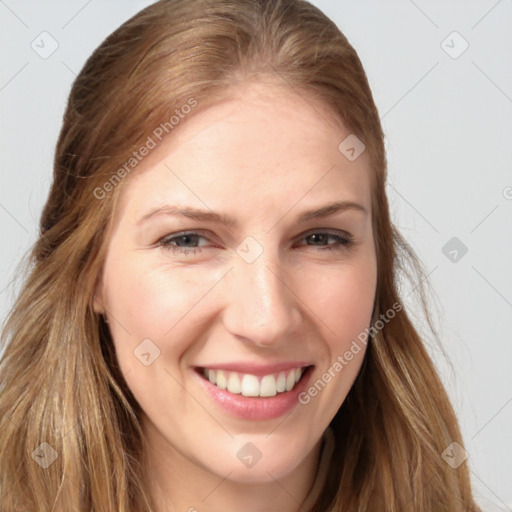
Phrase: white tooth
(250, 385)
(221, 380)
(268, 386)
(290, 380)
(234, 383)
(281, 382)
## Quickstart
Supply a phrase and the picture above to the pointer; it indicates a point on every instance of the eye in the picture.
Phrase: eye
(320, 238)
(187, 242)
(184, 243)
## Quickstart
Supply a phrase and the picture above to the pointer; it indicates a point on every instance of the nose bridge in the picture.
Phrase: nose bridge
(261, 306)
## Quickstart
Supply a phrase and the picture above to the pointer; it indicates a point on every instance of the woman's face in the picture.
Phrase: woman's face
(252, 303)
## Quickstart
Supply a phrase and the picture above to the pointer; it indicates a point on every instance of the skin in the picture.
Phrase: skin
(264, 155)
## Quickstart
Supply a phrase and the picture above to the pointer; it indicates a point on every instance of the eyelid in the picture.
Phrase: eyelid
(329, 231)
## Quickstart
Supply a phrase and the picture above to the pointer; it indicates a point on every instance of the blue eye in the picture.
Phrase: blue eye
(187, 242)
(182, 238)
(342, 241)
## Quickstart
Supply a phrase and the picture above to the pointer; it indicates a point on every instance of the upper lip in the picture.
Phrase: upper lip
(257, 369)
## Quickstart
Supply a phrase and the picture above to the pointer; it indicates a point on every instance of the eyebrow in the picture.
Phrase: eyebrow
(222, 218)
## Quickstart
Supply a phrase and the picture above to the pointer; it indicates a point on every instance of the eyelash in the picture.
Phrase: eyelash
(343, 242)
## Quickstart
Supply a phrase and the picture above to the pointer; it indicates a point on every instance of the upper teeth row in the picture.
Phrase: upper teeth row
(251, 385)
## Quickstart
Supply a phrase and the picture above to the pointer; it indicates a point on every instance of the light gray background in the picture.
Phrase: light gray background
(448, 123)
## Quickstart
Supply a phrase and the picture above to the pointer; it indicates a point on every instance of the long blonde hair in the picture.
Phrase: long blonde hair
(60, 383)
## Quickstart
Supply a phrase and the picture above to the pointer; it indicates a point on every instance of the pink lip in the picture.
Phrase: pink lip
(257, 369)
(254, 408)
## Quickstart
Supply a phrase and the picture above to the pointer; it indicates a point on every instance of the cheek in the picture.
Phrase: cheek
(153, 302)
(342, 300)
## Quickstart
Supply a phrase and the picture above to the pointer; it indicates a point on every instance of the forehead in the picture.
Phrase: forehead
(263, 147)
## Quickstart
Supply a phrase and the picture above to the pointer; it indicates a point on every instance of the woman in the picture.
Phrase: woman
(269, 365)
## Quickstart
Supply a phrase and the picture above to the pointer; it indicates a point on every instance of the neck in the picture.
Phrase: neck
(177, 484)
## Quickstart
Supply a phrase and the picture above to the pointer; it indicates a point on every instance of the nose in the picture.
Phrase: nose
(261, 306)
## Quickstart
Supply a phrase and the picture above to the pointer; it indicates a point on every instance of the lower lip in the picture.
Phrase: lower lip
(255, 408)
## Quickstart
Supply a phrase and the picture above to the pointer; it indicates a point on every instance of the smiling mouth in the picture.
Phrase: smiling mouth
(249, 385)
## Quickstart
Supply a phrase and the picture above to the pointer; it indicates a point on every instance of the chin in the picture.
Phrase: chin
(262, 472)
(261, 462)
